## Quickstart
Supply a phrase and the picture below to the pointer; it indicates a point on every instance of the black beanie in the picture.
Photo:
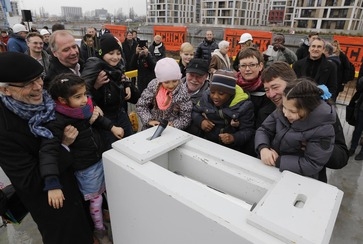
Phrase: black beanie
(108, 43)
(18, 67)
(224, 81)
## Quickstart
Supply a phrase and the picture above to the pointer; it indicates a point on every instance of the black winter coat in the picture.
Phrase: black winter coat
(205, 49)
(110, 96)
(86, 150)
(238, 108)
(19, 158)
(326, 73)
(145, 66)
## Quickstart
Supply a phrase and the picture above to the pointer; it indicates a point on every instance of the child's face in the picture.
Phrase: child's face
(79, 98)
(218, 97)
(186, 56)
(290, 111)
(170, 85)
(113, 57)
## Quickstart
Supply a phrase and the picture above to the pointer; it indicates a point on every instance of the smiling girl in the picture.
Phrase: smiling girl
(165, 98)
(300, 136)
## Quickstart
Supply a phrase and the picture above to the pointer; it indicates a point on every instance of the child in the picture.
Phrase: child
(300, 137)
(224, 114)
(186, 54)
(165, 98)
(73, 107)
(108, 86)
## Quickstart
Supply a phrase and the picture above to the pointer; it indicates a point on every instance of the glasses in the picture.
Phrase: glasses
(251, 66)
(37, 43)
(26, 84)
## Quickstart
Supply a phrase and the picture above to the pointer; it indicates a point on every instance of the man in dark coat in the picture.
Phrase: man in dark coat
(24, 108)
(303, 50)
(206, 47)
(65, 55)
(317, 67)
(275, 79)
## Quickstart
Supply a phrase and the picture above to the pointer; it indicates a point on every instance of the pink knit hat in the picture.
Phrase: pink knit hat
(167, 69)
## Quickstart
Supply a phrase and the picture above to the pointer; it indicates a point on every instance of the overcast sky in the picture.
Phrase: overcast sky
(54, 6)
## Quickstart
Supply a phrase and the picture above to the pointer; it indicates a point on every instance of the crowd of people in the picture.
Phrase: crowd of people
(63, 105)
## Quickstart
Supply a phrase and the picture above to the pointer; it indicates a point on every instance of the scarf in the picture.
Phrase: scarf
(163, 98)
(156, 49)
(249, 86)
(35, 114)
(84, 112)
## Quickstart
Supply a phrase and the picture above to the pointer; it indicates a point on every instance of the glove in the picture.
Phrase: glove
(326, 94)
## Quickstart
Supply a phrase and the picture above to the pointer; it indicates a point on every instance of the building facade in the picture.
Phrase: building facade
(71, 12)
(172, 11)
(276, 11)
(325, 14)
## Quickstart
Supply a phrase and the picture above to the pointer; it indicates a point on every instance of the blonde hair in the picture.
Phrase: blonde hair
(186, 47)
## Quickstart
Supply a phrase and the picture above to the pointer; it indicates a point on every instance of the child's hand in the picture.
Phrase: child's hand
(96, 113)
(234, 123)
(207, 125)
(268, 156)
(118, 132)
(226, 138)
(128, 93)
(102, 79)
(70, 134)
(55, 198)
(153, 123)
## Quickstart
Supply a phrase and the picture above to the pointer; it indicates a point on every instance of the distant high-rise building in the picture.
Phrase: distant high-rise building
(236, 12)
(172, 11)
(328, 14)
(101, 12)
(276, 10)
(71, 12)
(14, 8)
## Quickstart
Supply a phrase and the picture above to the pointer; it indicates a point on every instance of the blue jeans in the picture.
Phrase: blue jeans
(357, 130)
(121, 119)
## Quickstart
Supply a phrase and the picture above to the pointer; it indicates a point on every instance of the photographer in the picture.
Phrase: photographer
(143, 61)
(280, 52)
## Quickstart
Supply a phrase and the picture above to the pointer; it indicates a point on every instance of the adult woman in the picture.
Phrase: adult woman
(249, 78)
(220, 59)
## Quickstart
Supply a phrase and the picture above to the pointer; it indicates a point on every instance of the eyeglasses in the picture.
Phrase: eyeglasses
(26, 84)
(37, 43)
(251, 66)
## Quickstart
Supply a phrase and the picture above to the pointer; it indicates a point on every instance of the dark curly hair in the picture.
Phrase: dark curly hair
(65, 85)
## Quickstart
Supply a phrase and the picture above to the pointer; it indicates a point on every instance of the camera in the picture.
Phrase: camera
(142, 43)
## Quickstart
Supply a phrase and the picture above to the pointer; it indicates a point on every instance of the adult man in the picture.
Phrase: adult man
(316, 67)
(34, 41)
(206, 47)
(103, 31)
(87, 49)
(280, 52)
(92, 31)
(275, 78)
(24, 108)
(134, 36)
(196, 79)
(66, 55)
(129, 49)
(157, 48)
(17, 41)
(46, 34)
(303, 50)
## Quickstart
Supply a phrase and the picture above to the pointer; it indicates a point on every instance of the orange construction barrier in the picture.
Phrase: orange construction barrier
(173, 36)
(118, 31)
